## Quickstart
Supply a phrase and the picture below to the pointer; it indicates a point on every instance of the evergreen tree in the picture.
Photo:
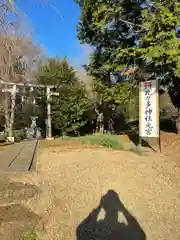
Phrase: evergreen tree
(71, 109)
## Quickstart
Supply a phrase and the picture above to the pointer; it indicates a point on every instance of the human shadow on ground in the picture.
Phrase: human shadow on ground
(110, 228)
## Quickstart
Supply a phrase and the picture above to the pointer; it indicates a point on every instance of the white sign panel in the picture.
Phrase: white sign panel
(149, 109)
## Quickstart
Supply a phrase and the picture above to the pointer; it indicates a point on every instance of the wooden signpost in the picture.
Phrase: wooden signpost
(149, 110)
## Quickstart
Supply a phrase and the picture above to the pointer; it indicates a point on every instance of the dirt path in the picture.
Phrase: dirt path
(69, 185)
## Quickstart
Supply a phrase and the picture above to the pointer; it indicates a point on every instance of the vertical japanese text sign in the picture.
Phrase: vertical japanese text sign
(149, 109)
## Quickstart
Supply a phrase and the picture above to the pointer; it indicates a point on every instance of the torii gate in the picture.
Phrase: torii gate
(13, 90)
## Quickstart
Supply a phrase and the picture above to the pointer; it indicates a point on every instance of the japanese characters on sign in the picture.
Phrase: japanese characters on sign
(149, 111)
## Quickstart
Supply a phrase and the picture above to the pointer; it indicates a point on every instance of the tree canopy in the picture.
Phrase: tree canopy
(70, 110)
(139, 35)
(112, 27)
(124, 31)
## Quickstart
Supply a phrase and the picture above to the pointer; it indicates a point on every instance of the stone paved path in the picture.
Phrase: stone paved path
(18, 157)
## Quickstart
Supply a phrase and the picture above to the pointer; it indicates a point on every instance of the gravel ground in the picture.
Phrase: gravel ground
(76, 180)
(141, 195)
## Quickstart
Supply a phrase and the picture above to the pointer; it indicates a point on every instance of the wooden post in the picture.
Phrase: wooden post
(13, 94)
(10, 119)
(6, 111)
(138, 102)
(158, 113)
(49, 126)
(49, 122)
(13, 104)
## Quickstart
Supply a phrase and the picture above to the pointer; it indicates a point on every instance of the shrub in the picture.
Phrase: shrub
(3, 136)
(106, 140)
(19, 135)
(29, 236)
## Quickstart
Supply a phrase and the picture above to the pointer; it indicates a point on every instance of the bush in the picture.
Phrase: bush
(106, 140)
(3, 136)
(19, 135)
(29, 236)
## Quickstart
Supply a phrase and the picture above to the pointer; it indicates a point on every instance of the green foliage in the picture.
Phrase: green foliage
(29, 236)
(160, 44)
(125, 34)
(19, 135)
(110, 97)
(111, 27)
(23, 113)
(71, 109)
(3, 136)
(105, 140)
(159, 48)
(56, 72)
(123, 93)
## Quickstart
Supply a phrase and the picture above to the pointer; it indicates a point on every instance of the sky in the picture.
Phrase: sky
(54, 27)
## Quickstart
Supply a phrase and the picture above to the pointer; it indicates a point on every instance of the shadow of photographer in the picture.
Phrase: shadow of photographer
(110, 227)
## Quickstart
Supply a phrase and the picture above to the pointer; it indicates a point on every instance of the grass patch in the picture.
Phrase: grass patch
(105, 140)
(97, 139)
(29, 236)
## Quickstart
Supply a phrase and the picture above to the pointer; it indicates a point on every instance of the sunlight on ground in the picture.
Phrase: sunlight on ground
(73, 185)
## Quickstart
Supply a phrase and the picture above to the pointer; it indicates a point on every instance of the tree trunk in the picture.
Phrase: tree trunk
(97, 124)
(101, 127)
(100, 123)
